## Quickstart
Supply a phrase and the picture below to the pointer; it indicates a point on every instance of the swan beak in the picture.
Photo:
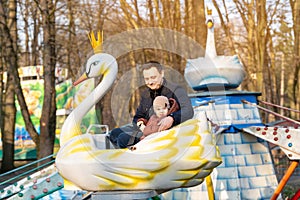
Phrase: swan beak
(210, 24)
(82, 78)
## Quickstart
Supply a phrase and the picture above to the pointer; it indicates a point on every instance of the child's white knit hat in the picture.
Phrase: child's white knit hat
(161, 101)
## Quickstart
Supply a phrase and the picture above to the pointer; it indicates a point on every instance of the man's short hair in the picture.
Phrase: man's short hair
(150, 64)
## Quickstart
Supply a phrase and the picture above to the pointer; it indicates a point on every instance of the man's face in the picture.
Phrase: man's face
(153, 79)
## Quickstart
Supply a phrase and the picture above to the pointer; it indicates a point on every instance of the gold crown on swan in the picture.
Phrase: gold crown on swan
(208, 11)
(96, 42)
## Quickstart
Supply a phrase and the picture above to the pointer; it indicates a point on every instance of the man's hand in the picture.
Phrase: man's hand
(165, 123)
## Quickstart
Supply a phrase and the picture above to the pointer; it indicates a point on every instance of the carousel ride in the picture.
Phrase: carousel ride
(181, 157)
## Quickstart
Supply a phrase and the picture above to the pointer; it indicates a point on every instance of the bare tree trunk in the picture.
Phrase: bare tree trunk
(128, 12)
(188, 17)
(26, 61)
(282, 85)
(34, 42)
(1, 82)
(9, 126)
(224, 24)
(71, 33)
(1, 86)
(158, 14)
(151, 13)
(295, 5)
(199, 22)
(9, 20)
(13, 84)
(48, 118)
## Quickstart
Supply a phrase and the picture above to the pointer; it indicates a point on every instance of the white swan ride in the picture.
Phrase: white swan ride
(180, 157)
(213, 71)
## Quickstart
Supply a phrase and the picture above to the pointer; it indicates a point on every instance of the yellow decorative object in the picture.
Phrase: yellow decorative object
(209, 11)
(180, 157)
(96, 43)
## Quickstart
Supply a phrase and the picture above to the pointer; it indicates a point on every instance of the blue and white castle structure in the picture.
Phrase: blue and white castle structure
(247, 171)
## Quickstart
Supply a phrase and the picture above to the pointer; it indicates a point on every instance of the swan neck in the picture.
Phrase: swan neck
(210, 44)
(71, 127)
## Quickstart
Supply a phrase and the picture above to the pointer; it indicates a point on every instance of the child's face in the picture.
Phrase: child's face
(161, 111)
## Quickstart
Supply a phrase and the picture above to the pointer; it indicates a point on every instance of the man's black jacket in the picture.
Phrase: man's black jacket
(170, 90)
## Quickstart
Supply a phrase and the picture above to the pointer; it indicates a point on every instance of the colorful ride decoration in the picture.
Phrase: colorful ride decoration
(67, 98)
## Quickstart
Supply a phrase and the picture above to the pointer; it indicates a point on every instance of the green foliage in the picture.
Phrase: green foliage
(289, 190)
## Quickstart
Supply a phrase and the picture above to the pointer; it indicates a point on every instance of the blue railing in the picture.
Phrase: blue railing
(25, 173)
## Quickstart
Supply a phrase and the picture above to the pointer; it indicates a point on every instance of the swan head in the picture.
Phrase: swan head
(210, 23)
(97, 65)
(209, 19)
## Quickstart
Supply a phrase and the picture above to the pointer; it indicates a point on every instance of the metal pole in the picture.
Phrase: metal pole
(284, 179)
(210, 188)
(274, 113)
(285, 108)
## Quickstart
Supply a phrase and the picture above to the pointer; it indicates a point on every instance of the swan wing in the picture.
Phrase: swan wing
(166, 159)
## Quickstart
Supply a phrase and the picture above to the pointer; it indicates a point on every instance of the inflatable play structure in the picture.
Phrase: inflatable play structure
(222, 153)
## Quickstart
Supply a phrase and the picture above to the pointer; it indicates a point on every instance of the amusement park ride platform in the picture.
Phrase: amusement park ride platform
(247, 171)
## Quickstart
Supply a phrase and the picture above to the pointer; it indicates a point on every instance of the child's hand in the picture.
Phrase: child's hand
(165, 123)
(143, 136)
(141, 125)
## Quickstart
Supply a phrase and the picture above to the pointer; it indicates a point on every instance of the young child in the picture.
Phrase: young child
(162, 107)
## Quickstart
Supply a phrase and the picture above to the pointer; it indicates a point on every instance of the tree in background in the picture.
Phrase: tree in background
(9, 56)
(13, 86)
(10, 60)
(48, 118)
(261, 33)
(295, 6)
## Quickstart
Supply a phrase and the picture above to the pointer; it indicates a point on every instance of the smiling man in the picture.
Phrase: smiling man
(153, 74)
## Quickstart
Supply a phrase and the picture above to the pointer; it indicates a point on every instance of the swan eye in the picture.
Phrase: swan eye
(94, 63)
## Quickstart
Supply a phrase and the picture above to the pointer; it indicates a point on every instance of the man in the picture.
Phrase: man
(157, 86)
